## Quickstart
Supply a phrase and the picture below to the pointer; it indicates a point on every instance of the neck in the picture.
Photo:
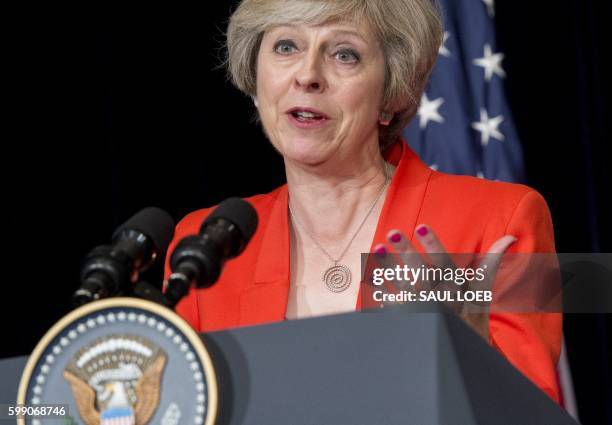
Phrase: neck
(331, 200)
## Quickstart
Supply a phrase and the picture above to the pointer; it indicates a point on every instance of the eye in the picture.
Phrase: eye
(285, 47)
(347, 56)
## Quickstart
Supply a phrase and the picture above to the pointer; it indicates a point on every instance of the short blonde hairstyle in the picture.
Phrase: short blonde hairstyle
(409, 31)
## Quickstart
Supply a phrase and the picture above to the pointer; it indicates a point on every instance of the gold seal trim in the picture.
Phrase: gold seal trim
(169, 315)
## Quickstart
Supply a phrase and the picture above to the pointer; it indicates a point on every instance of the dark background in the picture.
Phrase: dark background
(111, 109)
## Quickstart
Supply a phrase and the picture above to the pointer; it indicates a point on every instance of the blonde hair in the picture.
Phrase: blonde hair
(409, 31)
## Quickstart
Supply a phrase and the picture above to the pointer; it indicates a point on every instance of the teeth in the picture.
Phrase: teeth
(304, 114)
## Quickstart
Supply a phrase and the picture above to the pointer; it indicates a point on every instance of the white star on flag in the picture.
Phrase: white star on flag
(443, 50)
(491, 63)
(428, 111)
(488, 127)
(490, 7)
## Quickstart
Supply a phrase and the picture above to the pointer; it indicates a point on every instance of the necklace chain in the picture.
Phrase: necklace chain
(370, 209)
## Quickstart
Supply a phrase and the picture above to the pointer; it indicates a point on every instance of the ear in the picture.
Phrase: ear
(399, 107)
(255, 102)
(385, 118)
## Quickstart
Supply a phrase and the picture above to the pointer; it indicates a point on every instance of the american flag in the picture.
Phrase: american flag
(464, 124)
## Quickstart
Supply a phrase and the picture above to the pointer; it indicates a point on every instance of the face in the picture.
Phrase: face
(320, 90)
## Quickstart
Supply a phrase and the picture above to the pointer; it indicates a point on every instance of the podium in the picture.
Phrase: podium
(386, 367)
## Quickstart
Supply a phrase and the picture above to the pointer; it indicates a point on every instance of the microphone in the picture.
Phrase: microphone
(200, 259)
(136, 244)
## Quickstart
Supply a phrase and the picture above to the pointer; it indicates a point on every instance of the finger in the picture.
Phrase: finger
(490, 263)
(388, 261)
(385, 260)
(408, 256)
(400, 243)
(502, 244)
(405, 250)
(440, 259)
(433, 247)
(383, 256)
(494, 254)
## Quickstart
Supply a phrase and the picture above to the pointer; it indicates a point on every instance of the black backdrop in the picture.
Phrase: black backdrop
(113, 109)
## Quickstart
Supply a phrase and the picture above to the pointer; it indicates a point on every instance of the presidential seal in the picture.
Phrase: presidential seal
(122, 361)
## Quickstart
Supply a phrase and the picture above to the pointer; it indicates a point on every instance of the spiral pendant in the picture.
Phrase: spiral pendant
(337, 278)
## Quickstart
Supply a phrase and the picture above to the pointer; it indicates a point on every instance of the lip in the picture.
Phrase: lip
(307, 125)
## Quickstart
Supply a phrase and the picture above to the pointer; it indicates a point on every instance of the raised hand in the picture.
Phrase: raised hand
(400, 251)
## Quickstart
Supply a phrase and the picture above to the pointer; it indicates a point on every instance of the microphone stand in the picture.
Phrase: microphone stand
(146, 291)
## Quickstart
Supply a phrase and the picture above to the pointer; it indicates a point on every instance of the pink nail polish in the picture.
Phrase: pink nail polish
(422, 231)
(380, 250)
(395, 237)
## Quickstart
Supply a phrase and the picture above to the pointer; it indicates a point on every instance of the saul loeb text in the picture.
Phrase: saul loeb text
(426, 284)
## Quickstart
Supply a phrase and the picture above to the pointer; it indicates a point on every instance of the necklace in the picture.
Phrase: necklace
(337, 277)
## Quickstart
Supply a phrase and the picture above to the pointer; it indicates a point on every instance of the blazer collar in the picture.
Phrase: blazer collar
(266, 299)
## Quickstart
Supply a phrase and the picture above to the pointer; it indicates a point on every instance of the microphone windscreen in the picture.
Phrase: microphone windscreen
(237, 211)
(153, 222)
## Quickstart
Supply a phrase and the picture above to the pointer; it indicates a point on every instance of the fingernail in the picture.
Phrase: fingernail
(380, 250)
(422, 231)
(395, 236)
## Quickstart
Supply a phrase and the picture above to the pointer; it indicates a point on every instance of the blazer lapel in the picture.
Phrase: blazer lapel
(402, 203)
(406, 194)
(265, 300)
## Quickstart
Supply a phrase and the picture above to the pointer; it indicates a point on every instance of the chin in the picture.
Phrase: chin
(305, 158)
(306, 151)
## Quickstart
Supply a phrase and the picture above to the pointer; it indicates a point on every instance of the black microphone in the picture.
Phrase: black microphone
(136, 244)
(200, 259)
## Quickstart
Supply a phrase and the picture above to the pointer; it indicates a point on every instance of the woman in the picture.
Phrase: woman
(334, 82)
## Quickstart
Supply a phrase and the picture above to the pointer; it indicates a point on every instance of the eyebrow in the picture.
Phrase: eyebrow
(350, 32)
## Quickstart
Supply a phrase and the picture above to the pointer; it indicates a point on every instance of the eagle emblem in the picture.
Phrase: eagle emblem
(116, 379)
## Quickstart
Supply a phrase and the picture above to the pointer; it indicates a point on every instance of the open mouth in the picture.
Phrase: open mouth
(307, 116)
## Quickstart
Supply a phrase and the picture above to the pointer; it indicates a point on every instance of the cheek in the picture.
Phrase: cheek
(270, 93)
(362, 104)
(363, 97)
(271, 82)
(270, 89)
(266, 92)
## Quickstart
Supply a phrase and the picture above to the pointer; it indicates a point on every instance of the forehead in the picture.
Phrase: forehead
(359, 30)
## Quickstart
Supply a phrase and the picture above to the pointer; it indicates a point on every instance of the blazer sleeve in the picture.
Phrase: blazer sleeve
(530, 341)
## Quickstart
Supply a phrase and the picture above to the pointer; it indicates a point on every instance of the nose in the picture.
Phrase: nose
(309, 76)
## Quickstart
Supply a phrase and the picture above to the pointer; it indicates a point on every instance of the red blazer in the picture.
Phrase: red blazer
(467, 214)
